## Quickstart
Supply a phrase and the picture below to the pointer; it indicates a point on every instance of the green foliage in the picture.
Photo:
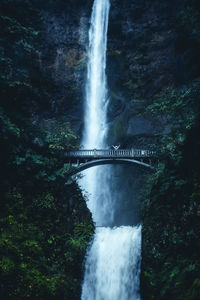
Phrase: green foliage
(60, 136)
(187, 19)
(41, 246)
(7, 125)
(171, 231)
(181, 106)
(45, 225)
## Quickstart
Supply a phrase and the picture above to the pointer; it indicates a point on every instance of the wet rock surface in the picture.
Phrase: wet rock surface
(146, 58)
(63, 55)
(141, 55)
(140, 59)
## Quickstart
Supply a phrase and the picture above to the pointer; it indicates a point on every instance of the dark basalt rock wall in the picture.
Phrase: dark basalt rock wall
(146, 58)
(140, 63)
(63, 54)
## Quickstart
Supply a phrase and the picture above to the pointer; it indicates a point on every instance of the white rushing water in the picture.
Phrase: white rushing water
(95, 116)
(112, 264)
(96, 87)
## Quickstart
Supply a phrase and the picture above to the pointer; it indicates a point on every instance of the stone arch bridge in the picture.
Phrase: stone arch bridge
(81, 160)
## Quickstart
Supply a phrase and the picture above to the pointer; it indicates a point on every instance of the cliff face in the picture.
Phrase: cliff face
(140, 63)
(147, 57)
(63, 55)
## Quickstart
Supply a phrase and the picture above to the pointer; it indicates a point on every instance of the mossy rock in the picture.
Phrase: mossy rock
(116, 131)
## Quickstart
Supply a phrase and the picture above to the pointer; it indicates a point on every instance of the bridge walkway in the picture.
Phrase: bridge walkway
(83, 155)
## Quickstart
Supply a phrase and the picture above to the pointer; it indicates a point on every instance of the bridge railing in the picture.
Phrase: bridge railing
(110, 153)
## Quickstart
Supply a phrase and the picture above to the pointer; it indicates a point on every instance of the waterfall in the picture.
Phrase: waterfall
(95, 116)
(112, 266)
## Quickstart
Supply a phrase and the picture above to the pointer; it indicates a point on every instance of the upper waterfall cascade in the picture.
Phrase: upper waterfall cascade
(112, 264)
(96, 87)
(95, 112)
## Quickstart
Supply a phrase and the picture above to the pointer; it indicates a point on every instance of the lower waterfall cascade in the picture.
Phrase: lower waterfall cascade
(112, 264)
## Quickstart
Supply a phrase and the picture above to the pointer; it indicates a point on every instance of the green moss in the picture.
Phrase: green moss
(81, 63)
(138, 100)
(116, 131)
(131, 85)
(114, 96)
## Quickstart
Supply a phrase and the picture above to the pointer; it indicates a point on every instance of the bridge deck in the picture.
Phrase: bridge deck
(85, 159)
(108, 153)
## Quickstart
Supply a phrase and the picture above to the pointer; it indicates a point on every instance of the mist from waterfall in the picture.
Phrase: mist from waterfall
(112, 266)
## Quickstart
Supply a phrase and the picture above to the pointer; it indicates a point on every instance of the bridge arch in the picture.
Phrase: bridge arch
(99, 162)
